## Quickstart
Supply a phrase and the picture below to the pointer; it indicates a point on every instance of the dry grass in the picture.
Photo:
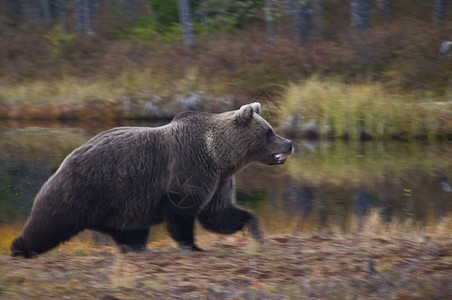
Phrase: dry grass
(7, 235)
(89, 242)
(340, 110)
(65, 91)
(377, 261)
(347, 110)
(139, 83)
(365, 265)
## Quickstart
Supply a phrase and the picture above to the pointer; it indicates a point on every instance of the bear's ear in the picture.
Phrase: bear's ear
(245, 113)
(256, 107)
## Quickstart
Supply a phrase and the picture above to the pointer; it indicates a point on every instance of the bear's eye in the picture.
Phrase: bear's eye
(269, 133)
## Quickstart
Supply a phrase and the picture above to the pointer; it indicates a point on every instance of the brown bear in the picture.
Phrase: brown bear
(124, 180)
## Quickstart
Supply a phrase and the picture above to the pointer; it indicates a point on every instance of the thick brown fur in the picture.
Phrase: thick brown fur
(125, 180)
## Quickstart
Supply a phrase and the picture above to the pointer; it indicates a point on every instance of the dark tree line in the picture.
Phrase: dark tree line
(20, 12)
(304, 17)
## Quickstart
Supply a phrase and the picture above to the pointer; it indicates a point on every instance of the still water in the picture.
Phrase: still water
(324, 185)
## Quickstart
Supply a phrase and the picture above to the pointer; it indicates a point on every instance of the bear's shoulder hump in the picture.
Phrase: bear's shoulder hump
(190, 115)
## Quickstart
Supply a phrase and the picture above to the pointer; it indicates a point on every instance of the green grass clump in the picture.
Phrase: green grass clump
(348, 110)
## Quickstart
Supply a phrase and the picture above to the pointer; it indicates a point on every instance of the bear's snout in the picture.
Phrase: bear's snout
(281, 157)
(290, 147)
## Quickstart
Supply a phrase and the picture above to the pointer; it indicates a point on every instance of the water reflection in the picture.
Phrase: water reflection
(323, 185)
(332, 185)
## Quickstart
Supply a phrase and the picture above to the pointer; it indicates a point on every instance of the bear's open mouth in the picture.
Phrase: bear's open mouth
(280, 158)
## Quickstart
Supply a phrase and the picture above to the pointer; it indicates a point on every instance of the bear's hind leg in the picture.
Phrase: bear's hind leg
(180, 227)
(230, 220)
(129, 240)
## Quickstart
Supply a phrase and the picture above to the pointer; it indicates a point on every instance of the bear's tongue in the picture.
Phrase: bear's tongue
(280, 158)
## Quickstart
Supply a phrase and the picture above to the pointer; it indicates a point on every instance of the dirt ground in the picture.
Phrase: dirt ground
(352, 266)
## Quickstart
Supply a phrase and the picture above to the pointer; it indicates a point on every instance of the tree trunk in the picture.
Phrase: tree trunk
(32, 10)
(387, 9)
(61, 12)
(84, 11)
(318, 18)
(359, 14)
(45, 9)
(269, 19)
(439, 9)
(132, 8)
(89, 16)
(185, 21)
(79, 14)
(305, 20)
(301, 15)
(14, 8)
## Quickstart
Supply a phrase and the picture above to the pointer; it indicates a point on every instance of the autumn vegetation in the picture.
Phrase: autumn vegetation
(387, 81)
(381, 79)
(396, 261)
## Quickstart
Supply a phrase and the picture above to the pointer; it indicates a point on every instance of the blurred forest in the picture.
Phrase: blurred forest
(102, 51)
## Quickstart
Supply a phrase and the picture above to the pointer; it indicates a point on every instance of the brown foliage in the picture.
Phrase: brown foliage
(402, 54)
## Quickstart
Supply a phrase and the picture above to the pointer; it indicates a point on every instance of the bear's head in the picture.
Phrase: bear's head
(263, 145)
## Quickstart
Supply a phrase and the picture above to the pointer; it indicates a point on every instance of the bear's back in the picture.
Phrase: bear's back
(188, 116)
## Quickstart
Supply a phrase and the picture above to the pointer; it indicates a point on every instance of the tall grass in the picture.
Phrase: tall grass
(349, 110)
(138, 83)
(339, 109)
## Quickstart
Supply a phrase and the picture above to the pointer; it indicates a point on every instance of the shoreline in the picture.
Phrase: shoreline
(144, 111)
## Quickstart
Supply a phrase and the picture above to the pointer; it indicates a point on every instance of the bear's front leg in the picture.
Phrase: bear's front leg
(180, 226)
(231, 219)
